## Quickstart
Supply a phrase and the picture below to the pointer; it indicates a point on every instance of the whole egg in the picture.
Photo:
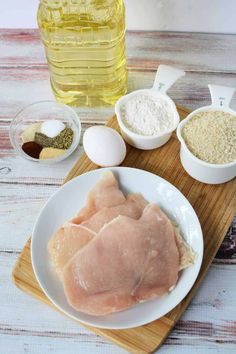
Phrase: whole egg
(104, 146)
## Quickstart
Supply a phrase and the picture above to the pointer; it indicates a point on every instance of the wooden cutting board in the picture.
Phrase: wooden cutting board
(214, 205)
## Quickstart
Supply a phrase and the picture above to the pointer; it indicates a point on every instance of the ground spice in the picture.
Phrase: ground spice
(51, 153)
(29, 132)
(43, 140)
(32, 149)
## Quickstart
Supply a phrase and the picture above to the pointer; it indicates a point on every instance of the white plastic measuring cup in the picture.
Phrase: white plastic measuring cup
(165, 78)
(203, 171)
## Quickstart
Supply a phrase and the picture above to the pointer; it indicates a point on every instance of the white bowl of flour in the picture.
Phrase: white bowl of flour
(148, 117)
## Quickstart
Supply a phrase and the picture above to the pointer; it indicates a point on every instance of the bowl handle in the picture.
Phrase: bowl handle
(221, 95)
(165, 77)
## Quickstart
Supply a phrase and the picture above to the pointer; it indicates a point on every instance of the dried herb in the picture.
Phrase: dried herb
(61, 141)
(64, 139)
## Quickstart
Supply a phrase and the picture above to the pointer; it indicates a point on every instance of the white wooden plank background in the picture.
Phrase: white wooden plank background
(160, 15)
(27, 326)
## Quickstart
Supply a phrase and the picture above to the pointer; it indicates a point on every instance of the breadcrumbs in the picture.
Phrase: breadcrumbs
(211, 136)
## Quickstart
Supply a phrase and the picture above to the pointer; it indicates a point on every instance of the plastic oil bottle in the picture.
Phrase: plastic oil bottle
(84, 43)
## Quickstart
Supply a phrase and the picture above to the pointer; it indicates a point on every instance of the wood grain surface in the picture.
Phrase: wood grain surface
(26, 326)
(220, 202)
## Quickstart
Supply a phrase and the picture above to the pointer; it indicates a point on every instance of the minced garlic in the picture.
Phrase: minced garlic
(211, 136)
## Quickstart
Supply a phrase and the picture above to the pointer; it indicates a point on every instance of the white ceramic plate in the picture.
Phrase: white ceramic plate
(69, 199)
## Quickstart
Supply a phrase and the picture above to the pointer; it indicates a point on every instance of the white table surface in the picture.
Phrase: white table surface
(26, 325)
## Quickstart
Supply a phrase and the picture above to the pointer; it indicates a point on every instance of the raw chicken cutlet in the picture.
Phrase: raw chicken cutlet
(71, 237)
(118, 251)
(132, 207)
(66, 241)
(129, 261)
(104, 194)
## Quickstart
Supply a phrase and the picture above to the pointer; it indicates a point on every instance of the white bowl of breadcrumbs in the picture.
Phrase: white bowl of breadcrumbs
(208, 143)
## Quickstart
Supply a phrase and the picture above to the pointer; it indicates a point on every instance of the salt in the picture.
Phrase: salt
(146, 115)
(52, 128)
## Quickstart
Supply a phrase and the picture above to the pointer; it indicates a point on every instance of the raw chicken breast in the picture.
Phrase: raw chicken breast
(129, 261)
(72, 237)
(68, 239)
(132, 207)
(187, 256)
(104, 194)
(66, 242)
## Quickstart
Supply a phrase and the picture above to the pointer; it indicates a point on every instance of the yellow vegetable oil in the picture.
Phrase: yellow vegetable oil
(84, 42)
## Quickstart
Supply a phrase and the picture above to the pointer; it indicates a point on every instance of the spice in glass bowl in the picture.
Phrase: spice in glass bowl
(29, 133)
(32, 149)
(50, 153)
(61, 141)
(52, 128)
(43, 140)
(42, 146)
(64, 139)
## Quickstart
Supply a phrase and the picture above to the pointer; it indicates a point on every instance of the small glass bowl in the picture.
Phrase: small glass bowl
(40, 112)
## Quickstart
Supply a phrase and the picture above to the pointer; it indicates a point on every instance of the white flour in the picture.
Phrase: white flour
(145, 115)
